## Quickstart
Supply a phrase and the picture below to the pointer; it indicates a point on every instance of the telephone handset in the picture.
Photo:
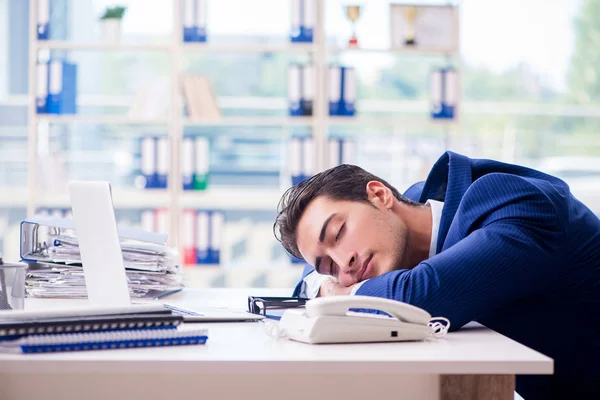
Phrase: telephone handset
(328, 320)
(340, 306)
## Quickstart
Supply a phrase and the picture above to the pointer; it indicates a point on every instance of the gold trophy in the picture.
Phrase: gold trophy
(353, 13)
(410, 14)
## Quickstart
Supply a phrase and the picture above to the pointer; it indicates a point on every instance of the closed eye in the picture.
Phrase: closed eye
(337, 237)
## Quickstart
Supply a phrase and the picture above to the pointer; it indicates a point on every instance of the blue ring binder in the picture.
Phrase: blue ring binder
(109, 340)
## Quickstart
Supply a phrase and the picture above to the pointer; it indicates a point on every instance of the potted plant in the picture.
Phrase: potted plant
(111, 23)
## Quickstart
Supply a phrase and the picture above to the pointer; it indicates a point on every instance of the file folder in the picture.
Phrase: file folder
(294, 89)
(348, 95)
(309, 17)
(302, 158)
(303, 21)
(187, 163)
(217, 221)
(200, 21)
(194, 21)
(41, 96)
(62, 87)
(335, 89)
(308, 90)
(202, 237)
(444, 93)
(43, 19)
(148, 162)
(188, 17)
(202, 163)
(162, 162)
(188, 239)
(296, 22)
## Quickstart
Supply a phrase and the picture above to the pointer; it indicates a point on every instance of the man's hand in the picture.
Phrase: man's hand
(332, 288)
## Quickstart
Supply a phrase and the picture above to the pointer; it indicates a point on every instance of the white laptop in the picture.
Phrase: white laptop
(100, 248)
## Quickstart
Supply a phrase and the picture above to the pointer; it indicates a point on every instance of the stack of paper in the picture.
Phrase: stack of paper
(151, 268)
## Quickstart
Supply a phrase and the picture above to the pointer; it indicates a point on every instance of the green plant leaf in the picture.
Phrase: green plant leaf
(114, 12)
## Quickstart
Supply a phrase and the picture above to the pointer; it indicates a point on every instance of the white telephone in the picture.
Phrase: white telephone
(327, 320)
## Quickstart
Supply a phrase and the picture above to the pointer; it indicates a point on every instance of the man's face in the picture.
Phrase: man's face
(350, 240)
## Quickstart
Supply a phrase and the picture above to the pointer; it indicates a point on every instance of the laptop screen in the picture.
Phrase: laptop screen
(96, 229)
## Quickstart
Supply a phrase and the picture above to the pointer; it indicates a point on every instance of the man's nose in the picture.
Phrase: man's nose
(345, 260)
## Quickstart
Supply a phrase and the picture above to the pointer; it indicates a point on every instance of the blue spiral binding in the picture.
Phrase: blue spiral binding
(54, 343)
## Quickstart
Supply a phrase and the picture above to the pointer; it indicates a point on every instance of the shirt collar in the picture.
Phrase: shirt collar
(436, 217)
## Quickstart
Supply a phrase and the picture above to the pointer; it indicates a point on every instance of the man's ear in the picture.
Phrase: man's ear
(380, 195)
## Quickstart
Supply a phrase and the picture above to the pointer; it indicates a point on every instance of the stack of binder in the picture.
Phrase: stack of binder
(303, 21)
(194, 20)
(302, 158)
(154, 159)
(155, 220)
(300, 89)
(444, 93)
(56, 87)
(195, 163)
(201, 233)
(93, 328)
(341, 151)
(154, 162)
(43, 19)
(202, 236)
(51, 246)
(342, 91)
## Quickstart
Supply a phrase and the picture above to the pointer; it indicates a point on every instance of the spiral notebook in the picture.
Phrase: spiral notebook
(14, 329)
(104, 340)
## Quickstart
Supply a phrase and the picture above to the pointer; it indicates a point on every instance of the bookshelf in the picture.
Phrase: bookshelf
(249, 48)
(222, 197)
(68, 45)
(99, 119)
(250, 121)
(174, 198)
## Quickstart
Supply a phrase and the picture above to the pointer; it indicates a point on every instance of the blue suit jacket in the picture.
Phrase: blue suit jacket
(519, 254)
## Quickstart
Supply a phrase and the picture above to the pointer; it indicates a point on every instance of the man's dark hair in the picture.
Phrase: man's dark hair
(344, 182)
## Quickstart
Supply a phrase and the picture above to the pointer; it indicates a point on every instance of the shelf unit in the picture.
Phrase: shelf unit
(250, 121)
(249, 48)
(92, 46)
(174, 198)
(99, 120)
(221, 197)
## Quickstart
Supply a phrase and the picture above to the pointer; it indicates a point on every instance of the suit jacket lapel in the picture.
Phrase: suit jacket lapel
(448, 180)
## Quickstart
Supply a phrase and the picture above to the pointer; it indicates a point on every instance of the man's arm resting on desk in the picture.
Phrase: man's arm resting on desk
(312, 284)
(317, 285)
(512, 254)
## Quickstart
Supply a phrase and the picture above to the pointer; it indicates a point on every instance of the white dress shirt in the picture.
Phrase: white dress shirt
(313, 281)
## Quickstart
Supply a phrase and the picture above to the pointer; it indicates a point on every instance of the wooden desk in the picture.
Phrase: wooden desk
(240, 361)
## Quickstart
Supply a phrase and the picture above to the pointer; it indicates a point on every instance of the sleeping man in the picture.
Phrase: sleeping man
(479, 240)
